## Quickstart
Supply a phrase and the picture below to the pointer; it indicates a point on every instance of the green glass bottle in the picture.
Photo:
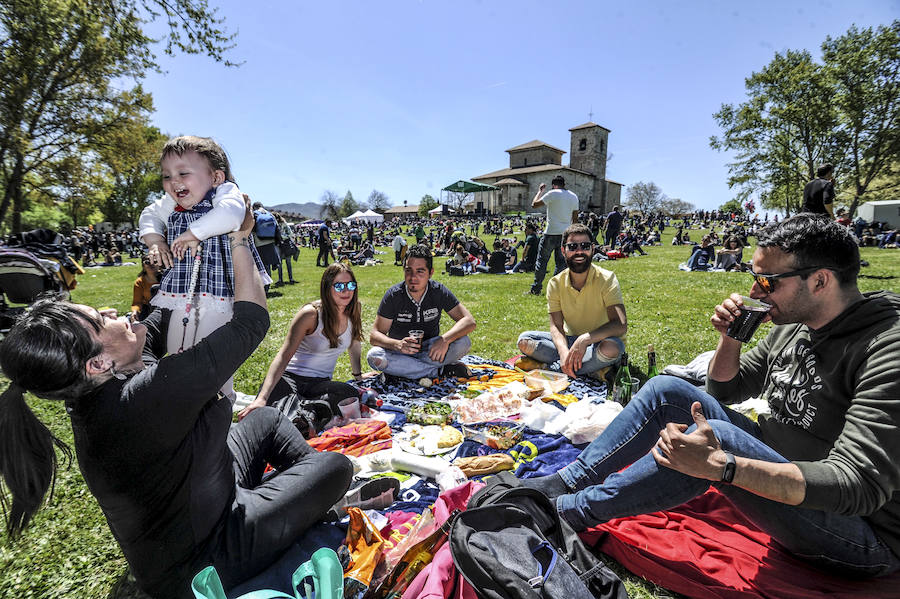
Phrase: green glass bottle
(622, 384)
(652, 370)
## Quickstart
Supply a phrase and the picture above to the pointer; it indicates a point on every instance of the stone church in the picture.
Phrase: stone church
(536, 162)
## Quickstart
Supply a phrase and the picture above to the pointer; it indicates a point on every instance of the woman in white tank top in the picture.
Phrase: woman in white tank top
(319, 333)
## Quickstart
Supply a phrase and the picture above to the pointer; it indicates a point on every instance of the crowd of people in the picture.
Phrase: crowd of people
(150, 397)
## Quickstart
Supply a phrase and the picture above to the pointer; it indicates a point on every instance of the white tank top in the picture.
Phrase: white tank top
(314, 356)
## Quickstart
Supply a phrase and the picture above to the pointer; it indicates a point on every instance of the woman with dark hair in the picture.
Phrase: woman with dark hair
(319, 333)
(730, 254)
(180, 487)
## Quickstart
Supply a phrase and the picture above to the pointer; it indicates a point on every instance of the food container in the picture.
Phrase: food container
(549, 381)
(430, 413)
(498, 434)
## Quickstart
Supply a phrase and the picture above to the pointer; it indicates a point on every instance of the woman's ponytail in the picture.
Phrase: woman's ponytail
(28, 459)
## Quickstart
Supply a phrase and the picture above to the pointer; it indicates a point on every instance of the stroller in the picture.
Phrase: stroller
(29, 270)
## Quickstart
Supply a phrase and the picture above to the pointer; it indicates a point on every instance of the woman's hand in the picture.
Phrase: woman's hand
(256, 403)
(159, 253)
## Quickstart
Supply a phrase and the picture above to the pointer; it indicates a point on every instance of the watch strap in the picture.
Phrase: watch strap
(730, 467)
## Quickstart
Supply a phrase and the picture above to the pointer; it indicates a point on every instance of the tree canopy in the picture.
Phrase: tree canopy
(427, 203)
(645, 197)
(800, 113)
(58, 62)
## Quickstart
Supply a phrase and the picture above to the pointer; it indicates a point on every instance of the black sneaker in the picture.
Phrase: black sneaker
(456, 370)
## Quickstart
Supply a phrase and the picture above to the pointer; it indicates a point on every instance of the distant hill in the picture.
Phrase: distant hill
(309, 209)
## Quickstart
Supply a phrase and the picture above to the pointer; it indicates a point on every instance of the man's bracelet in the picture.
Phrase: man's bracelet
(356, 373)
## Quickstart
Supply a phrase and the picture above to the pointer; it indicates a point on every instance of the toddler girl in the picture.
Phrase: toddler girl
(201, 205)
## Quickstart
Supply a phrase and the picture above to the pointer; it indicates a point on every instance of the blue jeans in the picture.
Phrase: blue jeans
(545, 351)
(600, 492)
(418, 365)
(549, 244)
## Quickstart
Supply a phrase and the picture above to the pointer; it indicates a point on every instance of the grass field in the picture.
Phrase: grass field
(69, 552)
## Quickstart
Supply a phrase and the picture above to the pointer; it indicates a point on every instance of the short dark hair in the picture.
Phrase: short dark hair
(558, 181)
(815, 240)
(419, 251)
(204, 146)
(576, 229)
(824, 169)
(497, 244)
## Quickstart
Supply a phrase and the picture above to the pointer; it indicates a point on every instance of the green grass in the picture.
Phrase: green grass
(69, 551)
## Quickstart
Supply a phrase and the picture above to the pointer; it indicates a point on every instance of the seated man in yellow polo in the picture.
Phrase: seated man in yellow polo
(587, 313)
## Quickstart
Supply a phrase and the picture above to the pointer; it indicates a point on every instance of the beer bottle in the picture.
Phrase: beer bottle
(652, 370)
(622, 384)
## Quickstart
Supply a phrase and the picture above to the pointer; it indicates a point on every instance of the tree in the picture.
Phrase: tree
(732, 206)
(348, 205)
(864, 66)
(457, 199)
(784, 129)
(378, 201)
(675, 207)
(645, 197)
(330, 205)
(73, 51)
(427, 203)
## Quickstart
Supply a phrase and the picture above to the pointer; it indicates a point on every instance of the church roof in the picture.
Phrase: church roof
(535, 143)
(502, 173)
(588, 125)
(509, 181)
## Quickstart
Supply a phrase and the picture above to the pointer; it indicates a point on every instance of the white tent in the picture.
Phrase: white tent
(370, 216)
(438, 210)
(887, 211)
(358, 215)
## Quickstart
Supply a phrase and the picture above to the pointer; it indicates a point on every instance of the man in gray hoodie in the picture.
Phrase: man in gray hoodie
(820, 474)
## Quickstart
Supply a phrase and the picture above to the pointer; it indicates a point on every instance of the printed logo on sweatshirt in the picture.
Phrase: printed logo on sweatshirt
(793, 380)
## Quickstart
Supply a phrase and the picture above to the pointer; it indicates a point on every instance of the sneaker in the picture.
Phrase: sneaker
(532, 292)
(456, 370)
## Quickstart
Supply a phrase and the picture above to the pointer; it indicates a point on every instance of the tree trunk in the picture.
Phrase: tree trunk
(13, 192)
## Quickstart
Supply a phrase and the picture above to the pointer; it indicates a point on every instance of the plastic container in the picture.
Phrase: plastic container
(418, 415)
(549, 381)
(498, 434)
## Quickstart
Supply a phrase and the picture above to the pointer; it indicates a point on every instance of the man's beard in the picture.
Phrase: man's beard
(578, 267)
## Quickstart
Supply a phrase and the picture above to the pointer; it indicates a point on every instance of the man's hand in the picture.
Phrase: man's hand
(573, 358)
(409, 345)
(697, 454)
(438, 349)
(159, 253)
(725, 313)
(184, 242)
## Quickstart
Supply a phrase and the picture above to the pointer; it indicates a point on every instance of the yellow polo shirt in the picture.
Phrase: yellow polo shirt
(585, 310)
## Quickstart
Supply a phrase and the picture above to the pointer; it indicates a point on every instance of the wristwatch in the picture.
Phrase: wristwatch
(730, 467)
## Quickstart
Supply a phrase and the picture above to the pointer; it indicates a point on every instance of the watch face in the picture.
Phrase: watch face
(730, 466)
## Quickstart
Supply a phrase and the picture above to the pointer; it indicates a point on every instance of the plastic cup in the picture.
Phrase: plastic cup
(417, 335)
(623, 393)
(745, 324)
(350, 408)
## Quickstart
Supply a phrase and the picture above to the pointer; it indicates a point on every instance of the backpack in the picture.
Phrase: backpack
(266, 226)
(511, 544)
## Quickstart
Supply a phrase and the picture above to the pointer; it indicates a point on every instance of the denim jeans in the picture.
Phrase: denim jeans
(418, 365)
(549, 244)
(545, 351)
(601, 492)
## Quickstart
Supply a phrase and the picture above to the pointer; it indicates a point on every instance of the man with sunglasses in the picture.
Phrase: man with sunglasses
(820, 473)
(587, 313)
(406, 336)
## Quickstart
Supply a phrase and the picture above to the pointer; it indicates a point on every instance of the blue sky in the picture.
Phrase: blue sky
(407, 97)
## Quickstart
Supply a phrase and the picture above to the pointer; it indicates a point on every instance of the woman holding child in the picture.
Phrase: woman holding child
(179, 485)
(319, 333)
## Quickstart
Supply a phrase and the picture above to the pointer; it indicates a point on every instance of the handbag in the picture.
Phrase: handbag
(323, 568)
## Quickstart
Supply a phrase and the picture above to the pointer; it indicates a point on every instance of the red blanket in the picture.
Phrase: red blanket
(706, 548)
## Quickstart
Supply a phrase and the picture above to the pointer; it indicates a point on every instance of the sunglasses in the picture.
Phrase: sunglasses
(349, 285)
(579, 245)
(768, 282)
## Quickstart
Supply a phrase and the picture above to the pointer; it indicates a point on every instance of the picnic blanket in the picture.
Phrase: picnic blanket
(707, 548)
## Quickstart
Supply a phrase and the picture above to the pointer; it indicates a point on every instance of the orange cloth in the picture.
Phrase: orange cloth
(358, 438)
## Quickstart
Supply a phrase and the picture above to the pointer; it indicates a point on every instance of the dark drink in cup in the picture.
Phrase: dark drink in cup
(745, 324)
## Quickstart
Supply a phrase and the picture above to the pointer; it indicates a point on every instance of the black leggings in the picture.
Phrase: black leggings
(308, 387)
(266, 518)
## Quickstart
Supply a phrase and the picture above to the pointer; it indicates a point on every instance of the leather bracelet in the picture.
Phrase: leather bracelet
(730, 467)
(355, 374)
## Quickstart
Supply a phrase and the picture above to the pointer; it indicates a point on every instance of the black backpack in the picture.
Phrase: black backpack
(510, 543)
